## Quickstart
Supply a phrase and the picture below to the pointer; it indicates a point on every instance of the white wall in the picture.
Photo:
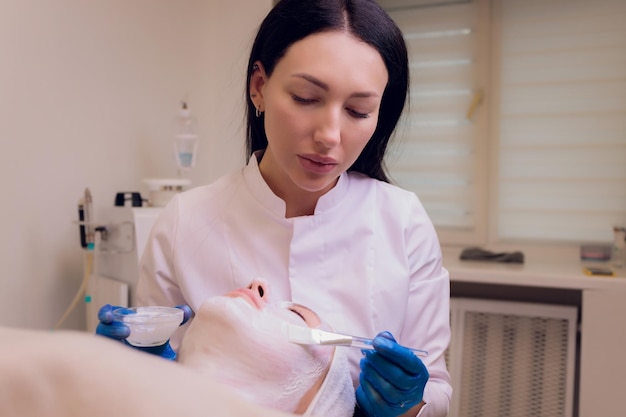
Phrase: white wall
(88, 94)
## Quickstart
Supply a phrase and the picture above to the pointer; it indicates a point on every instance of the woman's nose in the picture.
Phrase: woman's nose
(260, 288)
(328, 132)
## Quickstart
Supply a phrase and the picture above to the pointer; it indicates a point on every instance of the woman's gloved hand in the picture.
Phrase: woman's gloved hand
(108, 326)
(392, 379)
(114, 329)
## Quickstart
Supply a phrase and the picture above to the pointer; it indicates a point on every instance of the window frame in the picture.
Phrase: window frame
(486, 203)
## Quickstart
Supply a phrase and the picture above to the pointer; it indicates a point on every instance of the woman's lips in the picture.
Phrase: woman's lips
(317, 163)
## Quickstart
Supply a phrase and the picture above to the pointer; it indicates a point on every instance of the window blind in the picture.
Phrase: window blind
(562, 120)
(436, 152)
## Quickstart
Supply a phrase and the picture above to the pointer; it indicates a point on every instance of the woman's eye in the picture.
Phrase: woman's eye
(293, 310)
(357, 114)
(302, 99)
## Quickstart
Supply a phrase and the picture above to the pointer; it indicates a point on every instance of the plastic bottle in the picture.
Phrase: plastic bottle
(618, 253)
(186, 139)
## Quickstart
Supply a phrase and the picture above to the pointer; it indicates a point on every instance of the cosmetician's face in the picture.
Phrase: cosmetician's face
(321, 107)
(240, 340)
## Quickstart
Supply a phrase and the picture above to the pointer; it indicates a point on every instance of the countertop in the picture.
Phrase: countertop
(536, 271)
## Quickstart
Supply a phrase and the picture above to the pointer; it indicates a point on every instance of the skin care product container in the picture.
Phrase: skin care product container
(186, 139)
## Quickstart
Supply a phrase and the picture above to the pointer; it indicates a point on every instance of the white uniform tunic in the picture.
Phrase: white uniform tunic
(368, 260)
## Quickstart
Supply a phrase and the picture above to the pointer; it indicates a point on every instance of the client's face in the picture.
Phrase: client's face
(240, 340)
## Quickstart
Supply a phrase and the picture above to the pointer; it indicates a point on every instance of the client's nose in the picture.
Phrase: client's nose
(260, 288)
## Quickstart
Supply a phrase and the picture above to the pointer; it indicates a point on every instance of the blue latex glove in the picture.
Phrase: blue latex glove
(392, 379)
(113, 329)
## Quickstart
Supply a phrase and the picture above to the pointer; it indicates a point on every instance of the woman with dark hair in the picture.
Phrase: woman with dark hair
(313, 212)
(366, 21)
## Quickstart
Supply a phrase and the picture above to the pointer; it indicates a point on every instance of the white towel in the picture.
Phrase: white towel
(335, 397)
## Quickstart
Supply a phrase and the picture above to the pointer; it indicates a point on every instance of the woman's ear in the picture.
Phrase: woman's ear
(257, 81)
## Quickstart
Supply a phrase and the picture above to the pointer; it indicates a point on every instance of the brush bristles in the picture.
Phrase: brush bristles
(307, 336)
(301, 335)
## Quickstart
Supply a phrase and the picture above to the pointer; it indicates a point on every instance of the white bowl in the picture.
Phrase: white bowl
(149, 326)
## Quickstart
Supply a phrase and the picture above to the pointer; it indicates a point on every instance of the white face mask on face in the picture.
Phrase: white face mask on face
(247, 349)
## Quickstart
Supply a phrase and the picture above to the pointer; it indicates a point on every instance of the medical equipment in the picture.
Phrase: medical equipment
(161, 190)
(120, 240)
(88, 216)
(119, 234)
(150, 325)
(81, 223)
(86, 229)
(307, 336)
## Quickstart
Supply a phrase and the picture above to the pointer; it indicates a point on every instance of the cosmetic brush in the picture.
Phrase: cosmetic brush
(307, 336)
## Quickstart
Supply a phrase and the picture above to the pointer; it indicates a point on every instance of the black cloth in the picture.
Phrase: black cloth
(478, 254)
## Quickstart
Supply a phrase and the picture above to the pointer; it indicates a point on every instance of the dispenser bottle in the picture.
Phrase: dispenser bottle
(186, 139)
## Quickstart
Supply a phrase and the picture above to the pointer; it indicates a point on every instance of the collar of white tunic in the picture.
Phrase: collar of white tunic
(266, 197)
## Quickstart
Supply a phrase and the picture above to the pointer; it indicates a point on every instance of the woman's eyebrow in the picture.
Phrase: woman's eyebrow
(325, 87)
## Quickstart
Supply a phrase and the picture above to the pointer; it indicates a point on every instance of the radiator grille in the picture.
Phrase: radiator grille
(512, 359)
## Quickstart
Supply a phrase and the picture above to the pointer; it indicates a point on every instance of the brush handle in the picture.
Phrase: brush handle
(363, 343)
